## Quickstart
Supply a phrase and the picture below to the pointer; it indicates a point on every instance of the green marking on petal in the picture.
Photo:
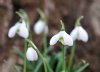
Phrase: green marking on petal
(61, 38)
(18, 30)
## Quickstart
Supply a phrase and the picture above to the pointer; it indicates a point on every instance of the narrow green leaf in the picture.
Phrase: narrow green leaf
(82, 68)
(38, 66)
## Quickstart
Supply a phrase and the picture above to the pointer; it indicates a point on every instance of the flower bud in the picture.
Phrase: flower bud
(31, 54)
(40, 27)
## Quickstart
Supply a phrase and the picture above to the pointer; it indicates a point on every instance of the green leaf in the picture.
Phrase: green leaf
(38, 66)
(82, 68)
(59, 66)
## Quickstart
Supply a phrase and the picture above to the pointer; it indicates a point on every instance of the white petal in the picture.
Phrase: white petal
(67, 39)
(23, 31)
(83, 35)
(31, 54)
(54, 39)
(74, 33)
(12, 31)
(39, 27)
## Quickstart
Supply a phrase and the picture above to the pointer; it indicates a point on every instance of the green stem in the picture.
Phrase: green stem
(45, 44)
(62, 26)
(64, 63)
(71, 58)
(45, 67)
(25, 56)
(24, 17)
(78, 21)
(42, 15)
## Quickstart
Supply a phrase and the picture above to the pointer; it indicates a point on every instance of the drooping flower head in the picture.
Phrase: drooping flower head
(41, 24)
(31, 54)
(19, 28)
(63, 37)
(79, 32)
(40, 27)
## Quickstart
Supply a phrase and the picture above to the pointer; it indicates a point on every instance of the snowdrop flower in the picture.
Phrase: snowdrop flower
(63, 37)
(20, 29)
(31, 54)
(40, 27)
(79, 32)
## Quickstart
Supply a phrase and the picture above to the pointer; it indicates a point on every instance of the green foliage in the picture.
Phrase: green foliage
(54, 62)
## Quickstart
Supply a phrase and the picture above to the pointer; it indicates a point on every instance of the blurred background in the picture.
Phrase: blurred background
(68, 11)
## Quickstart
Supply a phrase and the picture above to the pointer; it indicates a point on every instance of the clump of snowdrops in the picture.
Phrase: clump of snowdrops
(36, 60)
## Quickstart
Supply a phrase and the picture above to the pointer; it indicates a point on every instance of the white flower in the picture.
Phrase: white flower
(79, 33)
(63, 37)
(20, 29)
(13, 30)
(40, 27)
(31, 54)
